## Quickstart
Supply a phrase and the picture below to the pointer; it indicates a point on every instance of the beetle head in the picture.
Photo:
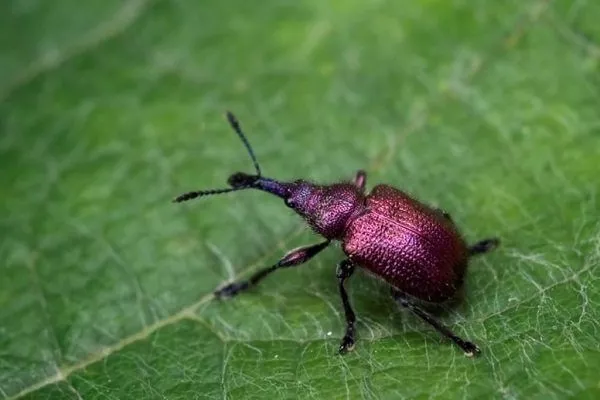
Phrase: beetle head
(326, 208)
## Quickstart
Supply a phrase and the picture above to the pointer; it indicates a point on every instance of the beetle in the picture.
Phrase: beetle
(417, 249)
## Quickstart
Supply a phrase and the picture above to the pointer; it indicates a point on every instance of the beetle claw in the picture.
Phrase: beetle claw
(347, 345)
(471, 349)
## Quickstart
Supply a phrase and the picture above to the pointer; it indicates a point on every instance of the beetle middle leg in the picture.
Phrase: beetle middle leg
(360, 180)
(483, 246)
(345, 269)
(469, 348)
(444, 214)
(291, 259)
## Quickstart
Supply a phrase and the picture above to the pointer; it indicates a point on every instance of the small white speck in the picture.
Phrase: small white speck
(513, 299)
(329, 333)
(276, 355)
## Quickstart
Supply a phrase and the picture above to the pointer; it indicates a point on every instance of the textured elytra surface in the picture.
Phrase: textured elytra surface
(411, 246)
(487, 109)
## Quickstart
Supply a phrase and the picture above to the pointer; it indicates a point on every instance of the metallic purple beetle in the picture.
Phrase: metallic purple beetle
(413, 247)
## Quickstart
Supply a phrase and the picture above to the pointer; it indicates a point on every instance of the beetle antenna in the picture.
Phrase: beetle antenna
(238, 181)
(192, 195)
(238, 129)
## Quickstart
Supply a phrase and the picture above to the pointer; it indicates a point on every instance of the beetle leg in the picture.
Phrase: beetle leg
(469, 348)
(345, 269)
(360, 180)
(444, 214)
(291, 259)
(484, 246)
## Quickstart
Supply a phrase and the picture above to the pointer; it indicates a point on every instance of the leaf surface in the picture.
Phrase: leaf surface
(107, 111)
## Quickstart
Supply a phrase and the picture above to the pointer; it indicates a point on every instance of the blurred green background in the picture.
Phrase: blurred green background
(488, 109)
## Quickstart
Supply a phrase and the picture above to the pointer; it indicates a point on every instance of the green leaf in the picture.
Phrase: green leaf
(488, 109)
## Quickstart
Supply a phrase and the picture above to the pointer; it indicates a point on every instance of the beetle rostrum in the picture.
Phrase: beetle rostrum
(418, 250)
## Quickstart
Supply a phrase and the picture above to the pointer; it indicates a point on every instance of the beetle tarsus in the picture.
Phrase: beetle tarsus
(344, 271)
(231, 290)
(470, 349)
(347, 344)
(484, 246)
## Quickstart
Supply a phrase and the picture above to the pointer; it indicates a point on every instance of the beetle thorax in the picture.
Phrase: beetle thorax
(328, 209)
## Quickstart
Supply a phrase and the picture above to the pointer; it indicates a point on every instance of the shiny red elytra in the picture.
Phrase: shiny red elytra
(415, 248)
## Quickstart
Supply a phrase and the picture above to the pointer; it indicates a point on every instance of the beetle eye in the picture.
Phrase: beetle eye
(290, 203)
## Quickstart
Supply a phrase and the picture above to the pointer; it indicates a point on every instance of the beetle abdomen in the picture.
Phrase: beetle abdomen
(407, 244)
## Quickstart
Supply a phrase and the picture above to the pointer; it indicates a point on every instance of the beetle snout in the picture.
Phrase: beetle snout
(241, 180)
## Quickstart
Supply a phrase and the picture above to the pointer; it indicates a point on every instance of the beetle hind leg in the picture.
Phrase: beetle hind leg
(484, 246)
(469, 348)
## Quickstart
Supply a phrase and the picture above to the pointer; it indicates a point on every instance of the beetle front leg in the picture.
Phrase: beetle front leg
(469, 348)
(360, 180)
(345, 269)
(291, 259)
